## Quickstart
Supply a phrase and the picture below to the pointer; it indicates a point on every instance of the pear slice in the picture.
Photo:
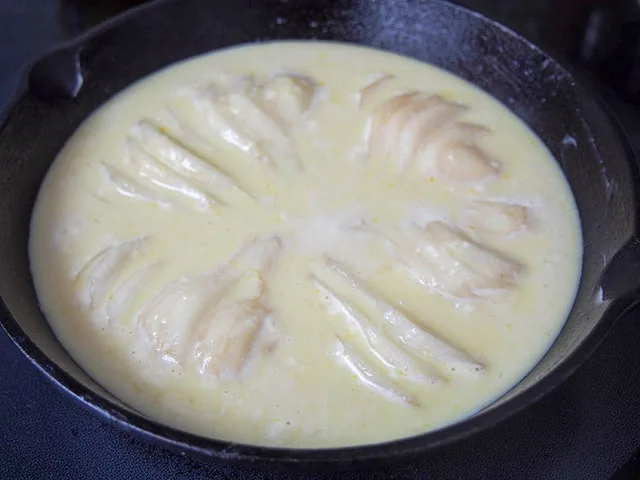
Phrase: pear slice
(446, 261)
(497, 218)
(257, 116)
(130, 187)
(393, 357)
(414, 336)
(103, 269)
(371, 377)
(209, 323)
(177, 156)
(403, 124)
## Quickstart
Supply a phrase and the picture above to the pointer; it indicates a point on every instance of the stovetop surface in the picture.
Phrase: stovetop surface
(589, 428)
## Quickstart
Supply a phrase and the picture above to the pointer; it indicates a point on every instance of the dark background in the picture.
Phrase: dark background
(587, 429)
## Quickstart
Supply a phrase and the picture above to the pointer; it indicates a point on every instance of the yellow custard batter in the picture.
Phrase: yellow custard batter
(305, 244)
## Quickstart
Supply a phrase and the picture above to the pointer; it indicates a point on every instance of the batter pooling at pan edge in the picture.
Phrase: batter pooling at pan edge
(305, 244)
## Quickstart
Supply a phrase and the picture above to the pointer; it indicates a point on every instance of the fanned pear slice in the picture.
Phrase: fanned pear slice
(466, 164)
(416, 337)
(454, 154)
(366, 95)
(403, 124)
(287, 98)
(456, 265)
(126, 293)
(130, 187)
(371, 377)
(223, 341)
(446, 261)
(166, 319)
(99, 272)
(255, 115)
(177, 156)
(496, 218)
(262, 128)
(499, 270)
(393, 357)
(417, 129)
(175, 187)
(209, 323)
(430, 271)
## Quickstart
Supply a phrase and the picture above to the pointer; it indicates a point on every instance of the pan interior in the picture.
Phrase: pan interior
(541, 93)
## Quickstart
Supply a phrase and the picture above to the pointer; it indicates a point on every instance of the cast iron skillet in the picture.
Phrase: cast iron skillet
(66, 85)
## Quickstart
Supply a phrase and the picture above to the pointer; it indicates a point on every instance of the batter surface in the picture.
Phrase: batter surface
(305, 244)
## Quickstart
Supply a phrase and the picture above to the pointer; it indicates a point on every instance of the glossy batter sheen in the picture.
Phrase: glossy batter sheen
(305, 244)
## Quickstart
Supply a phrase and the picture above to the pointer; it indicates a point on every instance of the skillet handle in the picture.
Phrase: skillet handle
(57, 75)
(621, 278)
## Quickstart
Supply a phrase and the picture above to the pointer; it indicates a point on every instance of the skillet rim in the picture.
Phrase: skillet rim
(359, 455)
